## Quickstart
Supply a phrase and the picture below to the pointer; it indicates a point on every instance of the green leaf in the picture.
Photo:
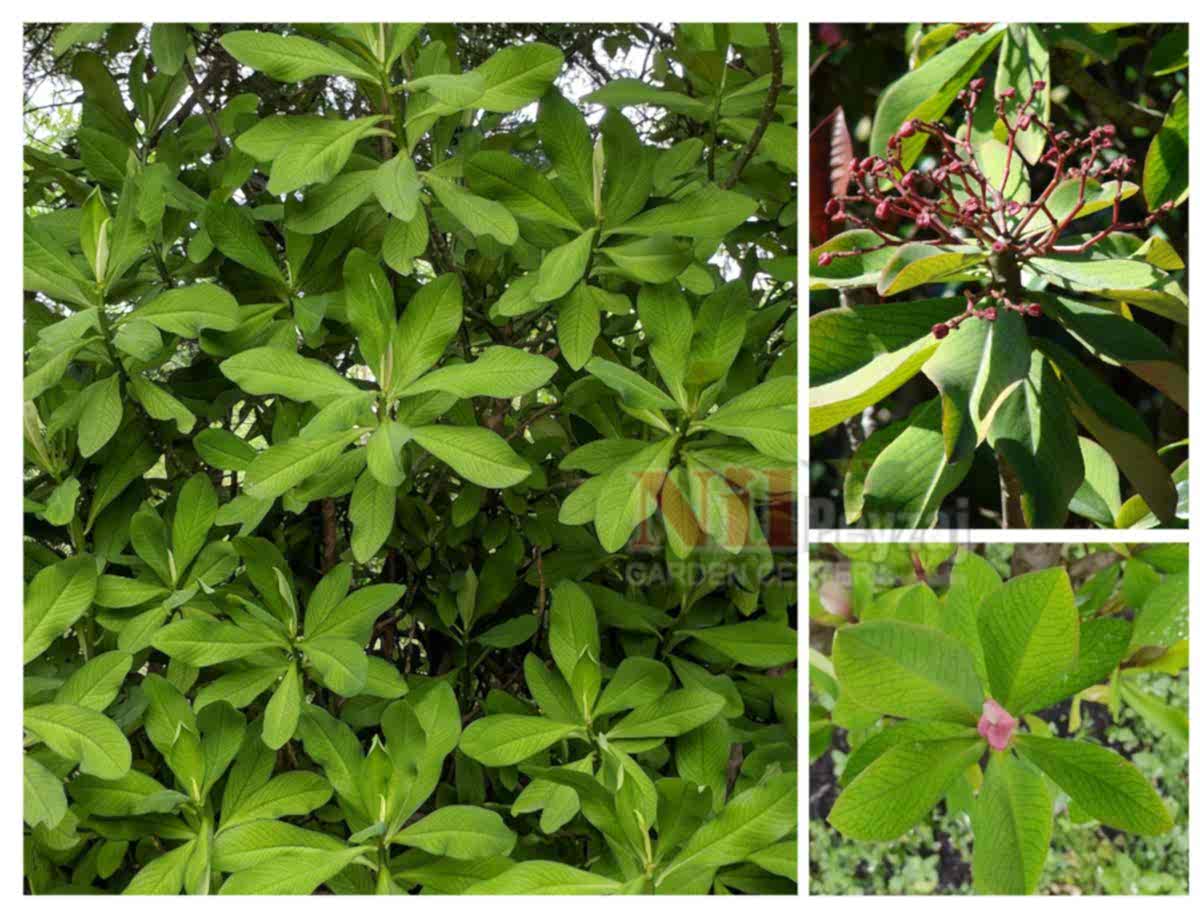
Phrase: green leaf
(578, 326)
(477, 454)
(1015, 818)
(465, 832)
(545, 878)
(204, 643)
(282, 714)
(978, 367)
(281, 467)
(1163, 618)
(372, 511)
(563, 268)
(233, 232)
(709, 213)
(97, 682)
(44, 800)
(291, 874)
(185, 311)
(1165, 177)
(671, 715)
(291, 58)
(635, 390)
(481, 216)
(275, 371)
(653, 261)
(54, 601)
(506, 739)
(341, 663)
(428, 323)
(293, 793)
(81, 735)
(894, 792)
(195, 512)
(1103, 784)
(907, 670)
(526, 193)
(305, 150)
(514, 77)
(762, 643)
(751, 821)
(398, 187)
(917, 263)
(499, 372)
(1034, 432)
(858, 355)
(637, 681)
(224, 450)
(1117, 428)
(630, 493)
(251, 843)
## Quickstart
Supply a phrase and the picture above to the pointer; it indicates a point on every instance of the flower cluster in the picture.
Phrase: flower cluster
(954, 200)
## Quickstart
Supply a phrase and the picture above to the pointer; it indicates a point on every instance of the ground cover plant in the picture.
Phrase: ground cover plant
(410, 439)
(994, 273)
(969, 692)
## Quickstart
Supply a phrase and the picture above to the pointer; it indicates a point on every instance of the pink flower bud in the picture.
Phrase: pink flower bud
(990, 313)
(999, 246)
(836, 599)
(977, 84)
(1109, 130)
(1007, 93)
(924, 220)
(1039, 85)
(1023, 122)
(996, 725)
(954, 167)
(1034, 309)
(854, 165)
(883, 210)
(825, 259)
(907, 129)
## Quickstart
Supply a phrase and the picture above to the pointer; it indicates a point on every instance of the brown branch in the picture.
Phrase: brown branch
(328, 535)
(768, 111)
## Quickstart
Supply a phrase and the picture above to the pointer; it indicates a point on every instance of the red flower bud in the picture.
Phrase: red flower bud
(907, 129)
(1039, 85)
(954, 167)
(977, 84)
(825, 259)
(883, 210)
(1110, 130)
(990, 313)
(941, 330)
(1007, 93)
(1034, 309)
(1023, 122)
(853, 167)
(832, 207)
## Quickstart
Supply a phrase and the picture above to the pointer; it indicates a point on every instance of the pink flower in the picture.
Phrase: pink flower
(996, 725)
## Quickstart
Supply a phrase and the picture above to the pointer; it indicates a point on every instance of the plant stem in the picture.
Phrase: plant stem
(1007, 273)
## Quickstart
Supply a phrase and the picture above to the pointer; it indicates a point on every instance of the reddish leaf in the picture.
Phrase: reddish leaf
(830, 150)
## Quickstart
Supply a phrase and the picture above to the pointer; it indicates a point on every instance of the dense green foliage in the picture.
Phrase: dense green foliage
(997, 277)
(409, 461)
(904, 679)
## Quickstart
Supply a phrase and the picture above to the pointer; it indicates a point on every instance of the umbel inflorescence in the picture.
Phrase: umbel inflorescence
(958, 200)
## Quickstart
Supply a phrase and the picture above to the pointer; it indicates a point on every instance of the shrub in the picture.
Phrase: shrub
(928, 685)
(409, 461)
(1027, 236)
